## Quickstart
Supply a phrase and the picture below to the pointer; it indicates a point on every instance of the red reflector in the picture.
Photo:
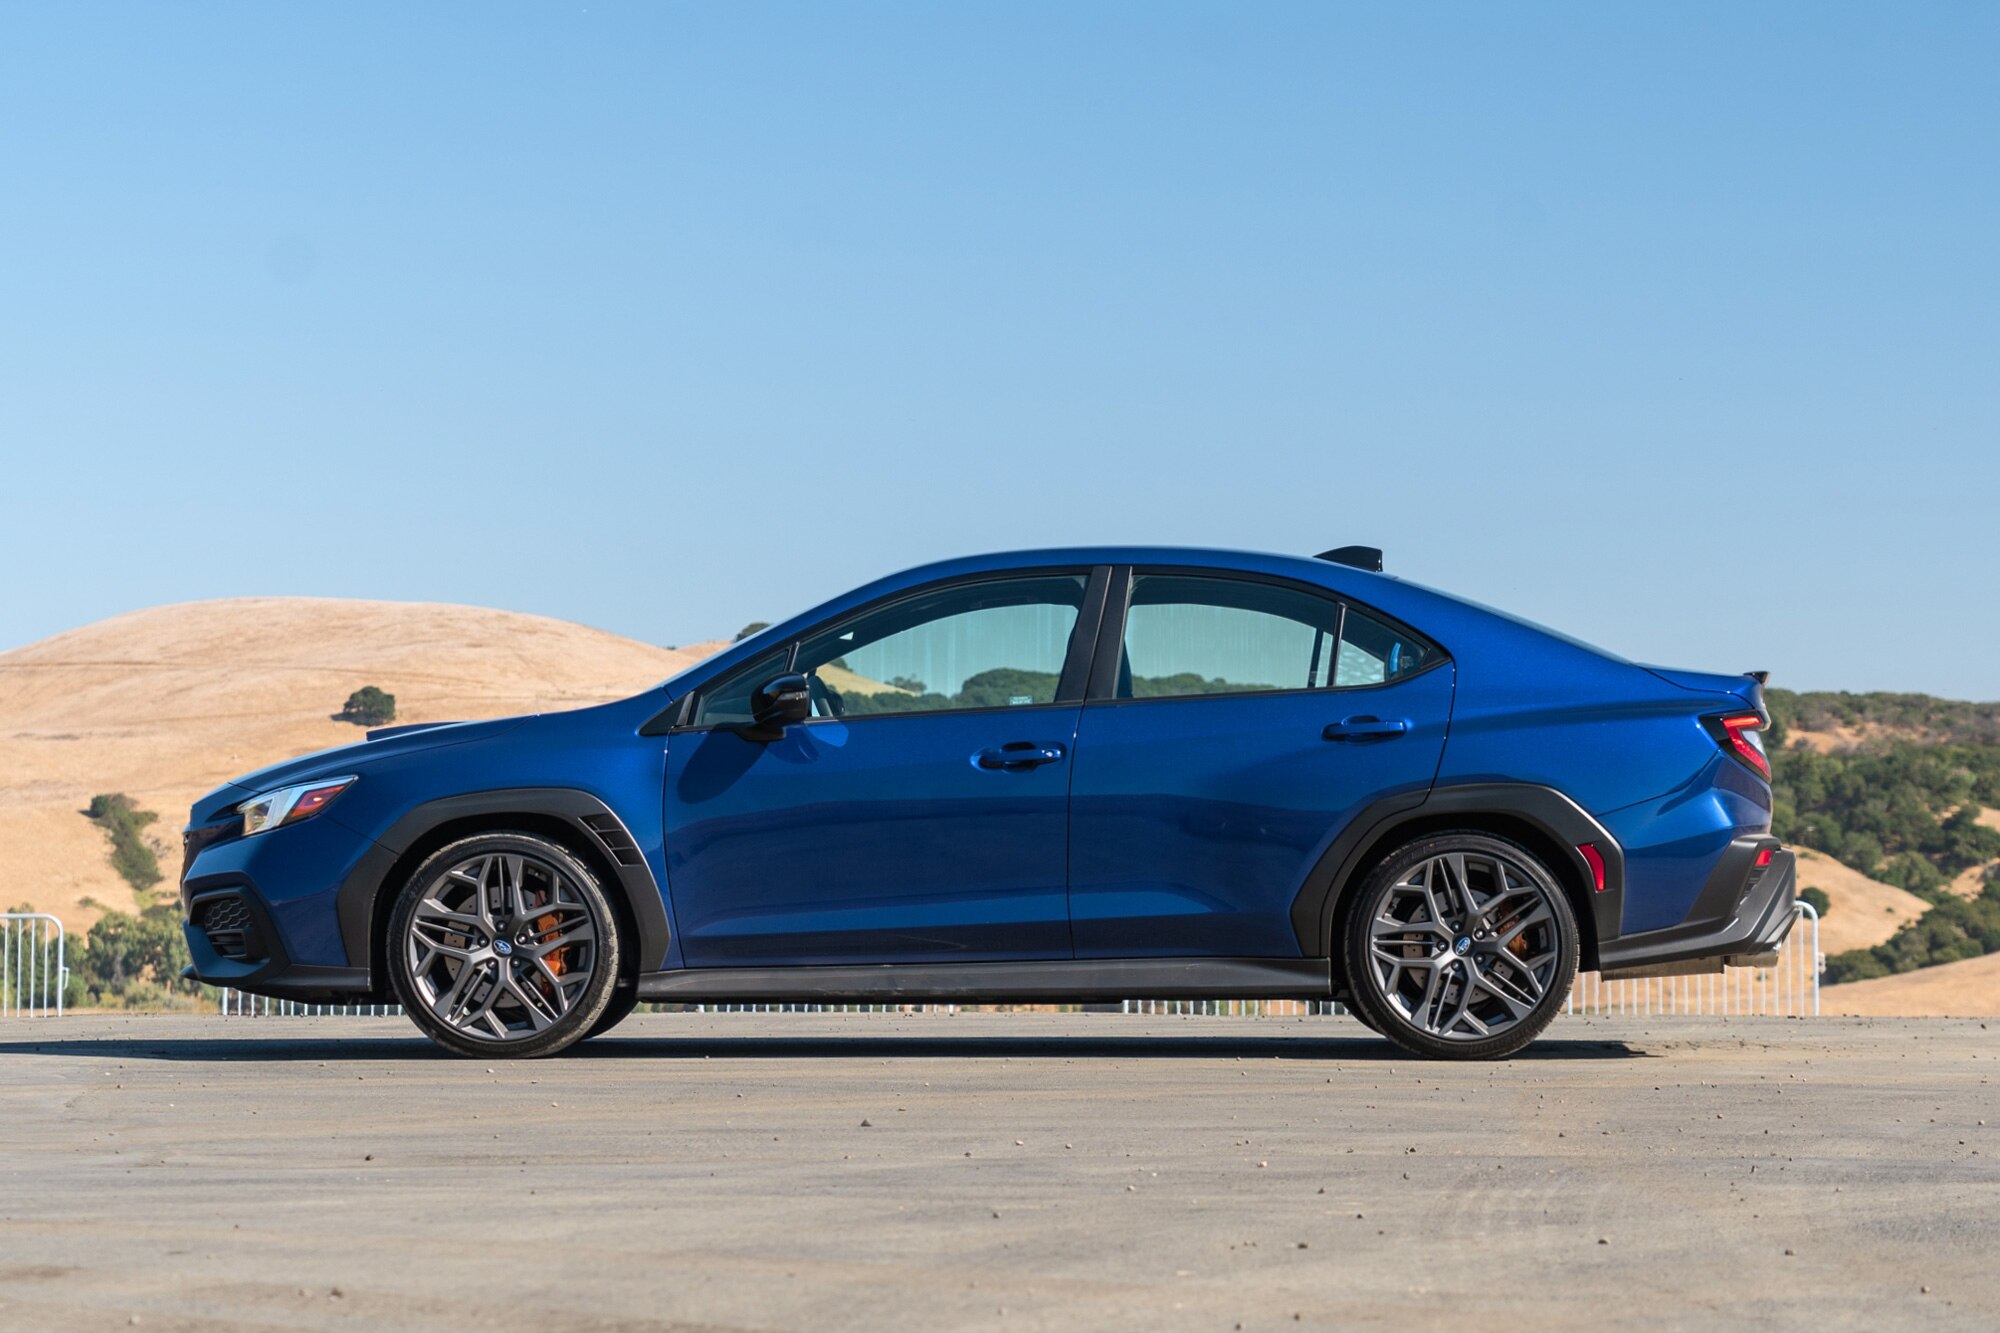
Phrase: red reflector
(1764, 857)
(1595, 859)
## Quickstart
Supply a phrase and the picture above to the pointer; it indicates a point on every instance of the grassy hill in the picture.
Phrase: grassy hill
(1902, 788)
(163, 704)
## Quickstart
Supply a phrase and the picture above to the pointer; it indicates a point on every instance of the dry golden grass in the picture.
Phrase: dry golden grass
(1864, 912)
(1968, 989)
(166, 703)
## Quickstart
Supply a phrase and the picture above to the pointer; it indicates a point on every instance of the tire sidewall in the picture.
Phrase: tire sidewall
(574, 1026)
(1374, 1008)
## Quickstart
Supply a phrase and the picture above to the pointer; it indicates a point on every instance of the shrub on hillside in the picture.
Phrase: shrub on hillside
(1817, 900)
(369, 707)
(125, 823)
(1955, 929)
(754, 627)
(131, 962)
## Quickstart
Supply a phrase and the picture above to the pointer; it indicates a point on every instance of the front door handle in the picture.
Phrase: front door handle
(1365, 729)
(1019, 754)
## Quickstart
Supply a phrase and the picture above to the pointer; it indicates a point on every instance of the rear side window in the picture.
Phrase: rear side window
(1375, 653)
(1189, 635)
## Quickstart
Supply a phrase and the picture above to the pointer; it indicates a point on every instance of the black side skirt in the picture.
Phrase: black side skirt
(1066, 980)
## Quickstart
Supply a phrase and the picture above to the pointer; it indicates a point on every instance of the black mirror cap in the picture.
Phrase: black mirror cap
(778, 703)
(1358, 557)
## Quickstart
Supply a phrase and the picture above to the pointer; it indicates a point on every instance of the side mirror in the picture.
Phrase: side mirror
(778, 703)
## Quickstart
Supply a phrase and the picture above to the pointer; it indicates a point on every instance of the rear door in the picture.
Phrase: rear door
(1234, 726)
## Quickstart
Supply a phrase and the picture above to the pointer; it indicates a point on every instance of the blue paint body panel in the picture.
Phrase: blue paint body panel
(1179, 827)
(1194, 821)
(872, 840)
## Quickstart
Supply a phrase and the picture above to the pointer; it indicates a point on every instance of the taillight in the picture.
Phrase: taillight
(1738, 734)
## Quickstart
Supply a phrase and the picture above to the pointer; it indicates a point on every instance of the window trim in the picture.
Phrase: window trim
(1071, 682)
(1111, 635)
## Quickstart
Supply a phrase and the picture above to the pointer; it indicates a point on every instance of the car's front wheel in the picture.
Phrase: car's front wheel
(503, 944)
(1460, 946)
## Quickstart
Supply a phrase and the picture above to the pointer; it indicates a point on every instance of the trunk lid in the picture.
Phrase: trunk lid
(1747, 686)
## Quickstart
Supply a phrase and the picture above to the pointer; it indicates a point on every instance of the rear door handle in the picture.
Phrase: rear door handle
(1019, 754)
(1365, 729)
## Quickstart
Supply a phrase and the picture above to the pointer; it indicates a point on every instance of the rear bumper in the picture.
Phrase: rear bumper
(1740, 919)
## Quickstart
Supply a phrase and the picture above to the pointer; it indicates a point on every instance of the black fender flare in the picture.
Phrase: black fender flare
(589, 820)
(1563, 823)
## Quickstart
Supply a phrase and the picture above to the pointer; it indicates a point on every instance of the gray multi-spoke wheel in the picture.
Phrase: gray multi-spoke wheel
(503, 944)
(1460, 945)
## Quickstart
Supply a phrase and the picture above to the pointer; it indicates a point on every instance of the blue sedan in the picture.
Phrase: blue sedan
(1046, 777)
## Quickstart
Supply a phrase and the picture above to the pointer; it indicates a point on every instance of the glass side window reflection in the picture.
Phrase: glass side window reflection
(1194, 635)
(727, 701)
(1000, 643)
(1372, 653)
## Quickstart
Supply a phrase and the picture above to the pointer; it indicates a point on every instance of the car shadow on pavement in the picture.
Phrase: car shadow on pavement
(320, 1048)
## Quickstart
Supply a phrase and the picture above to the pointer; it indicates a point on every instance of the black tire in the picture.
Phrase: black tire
(1475, 984)
(525, 915)
(624, 999)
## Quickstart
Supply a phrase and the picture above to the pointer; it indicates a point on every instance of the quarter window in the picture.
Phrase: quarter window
(1374, 653)
(727, 701)
(999, 643)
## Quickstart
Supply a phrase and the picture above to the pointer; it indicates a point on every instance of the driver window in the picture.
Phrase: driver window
(999, 643)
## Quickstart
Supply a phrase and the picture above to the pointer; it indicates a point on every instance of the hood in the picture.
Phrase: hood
(1744, 686)
(380, 745)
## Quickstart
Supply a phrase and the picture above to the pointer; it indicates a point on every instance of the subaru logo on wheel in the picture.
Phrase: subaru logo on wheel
(504, 947)
(1462, 945)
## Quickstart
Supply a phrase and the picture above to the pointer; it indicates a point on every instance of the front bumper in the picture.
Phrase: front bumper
(1740, 919)
(258, 912)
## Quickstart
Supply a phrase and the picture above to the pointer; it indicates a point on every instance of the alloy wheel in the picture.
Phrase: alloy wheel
(1466, 946)
(501, 946)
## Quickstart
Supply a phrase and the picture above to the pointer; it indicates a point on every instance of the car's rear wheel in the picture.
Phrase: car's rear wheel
(504, 945)
(1460, 946)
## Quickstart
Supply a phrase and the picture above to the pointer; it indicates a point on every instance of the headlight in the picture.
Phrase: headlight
(288, 805)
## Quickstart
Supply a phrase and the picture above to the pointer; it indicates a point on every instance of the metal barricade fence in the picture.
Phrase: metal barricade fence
(33, 968)
(1788, 988)
(238, 1004)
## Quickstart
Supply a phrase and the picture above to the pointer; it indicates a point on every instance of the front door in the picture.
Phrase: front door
(1244, 725)
(921, 815)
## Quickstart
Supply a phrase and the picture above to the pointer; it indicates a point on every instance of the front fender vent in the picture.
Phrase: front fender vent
(615, 839)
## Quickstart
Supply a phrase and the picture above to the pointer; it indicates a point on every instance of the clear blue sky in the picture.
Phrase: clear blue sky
(1676, 327)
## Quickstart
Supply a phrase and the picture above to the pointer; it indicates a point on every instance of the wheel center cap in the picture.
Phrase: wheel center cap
(1462, 945)
(505, 947)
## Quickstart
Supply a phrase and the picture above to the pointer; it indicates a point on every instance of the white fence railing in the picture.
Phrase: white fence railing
(1788, 988)
(33, 970)
(238, 1004)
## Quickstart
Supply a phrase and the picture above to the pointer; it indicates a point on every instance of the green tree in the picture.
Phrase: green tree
(369, 706)
(125, 823)
(754, 627)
